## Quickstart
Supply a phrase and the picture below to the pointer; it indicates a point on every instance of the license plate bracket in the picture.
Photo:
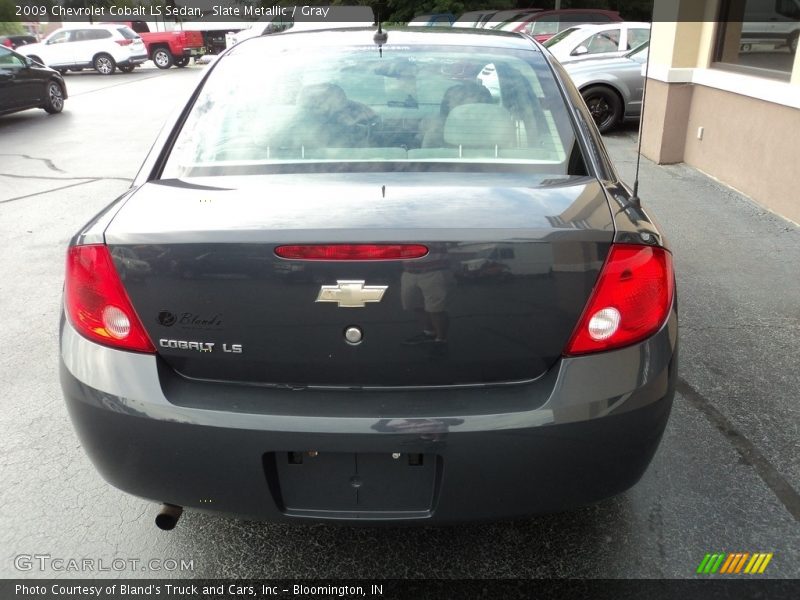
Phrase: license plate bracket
(343, 484)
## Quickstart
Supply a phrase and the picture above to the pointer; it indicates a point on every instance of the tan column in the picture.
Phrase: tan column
(678, 40)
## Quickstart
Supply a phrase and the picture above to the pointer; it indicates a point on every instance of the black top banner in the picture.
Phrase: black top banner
(463, 13)
(178, 10)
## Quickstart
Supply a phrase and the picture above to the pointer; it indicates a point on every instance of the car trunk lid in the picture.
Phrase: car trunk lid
(510, 265)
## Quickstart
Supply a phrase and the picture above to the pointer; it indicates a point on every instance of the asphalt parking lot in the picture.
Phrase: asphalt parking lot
(725, 479)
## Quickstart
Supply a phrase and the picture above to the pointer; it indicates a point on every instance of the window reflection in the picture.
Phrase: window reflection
(759, 34)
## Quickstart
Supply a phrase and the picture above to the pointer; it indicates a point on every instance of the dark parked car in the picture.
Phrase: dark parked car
(14, 41)
(26, 84)
(377, 386)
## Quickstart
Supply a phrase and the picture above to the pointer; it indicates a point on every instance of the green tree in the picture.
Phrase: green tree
(10, 27)
(10, 23)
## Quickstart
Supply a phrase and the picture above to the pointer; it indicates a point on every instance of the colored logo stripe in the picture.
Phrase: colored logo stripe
(758, 563)
(732, 563)
(710, 563)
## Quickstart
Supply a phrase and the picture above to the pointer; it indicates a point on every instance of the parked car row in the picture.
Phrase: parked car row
(167, 48)
(32, 75)
(540, 23)
(107, 47)
(611, 88)
(104, 48)
(13, 41)
(596, 46)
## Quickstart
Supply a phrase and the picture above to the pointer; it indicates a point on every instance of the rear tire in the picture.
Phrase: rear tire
(604, 105)
(181, 62)
(162, 58)
(55, 98)
(104, 64)
(127, 68)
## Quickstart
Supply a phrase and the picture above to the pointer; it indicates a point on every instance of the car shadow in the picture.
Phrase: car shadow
(31, 115)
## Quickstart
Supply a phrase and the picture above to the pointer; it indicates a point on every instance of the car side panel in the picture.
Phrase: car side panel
(30, 88)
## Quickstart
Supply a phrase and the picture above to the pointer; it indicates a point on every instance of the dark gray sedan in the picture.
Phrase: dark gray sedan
(611, 87)
(372, 290)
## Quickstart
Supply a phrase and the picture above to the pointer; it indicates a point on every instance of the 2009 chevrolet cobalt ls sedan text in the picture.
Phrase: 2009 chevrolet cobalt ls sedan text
(361, 285)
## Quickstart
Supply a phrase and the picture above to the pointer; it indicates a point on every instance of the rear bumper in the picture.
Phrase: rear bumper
(585, 431)
(193, 52)
(133, 60)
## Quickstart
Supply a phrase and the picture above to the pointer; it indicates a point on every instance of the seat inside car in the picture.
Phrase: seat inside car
(469, 92)
(326, 118)
(475, 130)
(523, 104)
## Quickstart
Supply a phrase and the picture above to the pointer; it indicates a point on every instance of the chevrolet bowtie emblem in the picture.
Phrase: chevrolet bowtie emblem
(351, 294)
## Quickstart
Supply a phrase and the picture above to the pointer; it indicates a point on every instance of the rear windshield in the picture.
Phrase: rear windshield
(354, 108)
(128, 33)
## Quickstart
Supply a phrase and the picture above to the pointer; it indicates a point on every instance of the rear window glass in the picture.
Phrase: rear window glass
(139, 27)
(605, 41)
(128, 33)
(404, 108)
(91, 34)
(558, 37)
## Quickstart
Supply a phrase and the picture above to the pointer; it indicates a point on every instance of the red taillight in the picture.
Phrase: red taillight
(630, 301)
(124, 42)
(8, 43)
(97, 304)
(352, 251)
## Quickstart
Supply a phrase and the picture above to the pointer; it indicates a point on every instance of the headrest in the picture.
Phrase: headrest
(469, 92)
(324, 98)
(479, 126)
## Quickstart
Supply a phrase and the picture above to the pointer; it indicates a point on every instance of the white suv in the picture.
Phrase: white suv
(102, 47)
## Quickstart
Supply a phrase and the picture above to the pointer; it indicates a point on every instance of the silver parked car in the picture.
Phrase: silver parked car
(611, 87)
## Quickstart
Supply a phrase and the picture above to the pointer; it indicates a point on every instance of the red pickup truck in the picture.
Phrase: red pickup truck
(167, 48)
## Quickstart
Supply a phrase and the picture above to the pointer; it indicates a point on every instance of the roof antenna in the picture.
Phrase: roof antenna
(635, 200)
(380, 37)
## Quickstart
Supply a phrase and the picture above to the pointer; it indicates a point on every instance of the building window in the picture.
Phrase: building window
(758, 35)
